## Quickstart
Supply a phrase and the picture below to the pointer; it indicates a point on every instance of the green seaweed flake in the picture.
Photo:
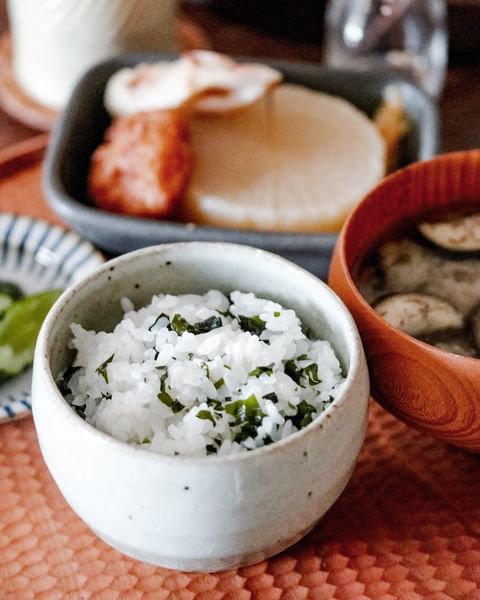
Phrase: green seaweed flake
(259, 370)
(102, 369)
(312, 373)
(64, 380)
(293, 371)
(218, 384)
(245, 411)
(206, 415)
(181, 325)
(174, 405)
(209, 324)
(254, 325)
(304, 416)
(160, 316)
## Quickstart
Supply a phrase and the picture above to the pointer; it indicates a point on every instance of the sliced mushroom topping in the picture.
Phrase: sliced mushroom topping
(475, 325)
(407, 265)
(410, 267)
(456, 280)
(461, 234)
(419, 314)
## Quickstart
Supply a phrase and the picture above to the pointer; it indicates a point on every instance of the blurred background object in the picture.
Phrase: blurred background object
(303, 20)
(409, 36)
(246, 28)
(300, 21)
(55, 42)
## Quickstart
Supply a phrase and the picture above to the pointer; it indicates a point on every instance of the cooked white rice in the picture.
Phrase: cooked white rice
(196, 375)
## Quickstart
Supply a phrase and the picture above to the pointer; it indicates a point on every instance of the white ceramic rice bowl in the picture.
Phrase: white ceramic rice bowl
(209, 513)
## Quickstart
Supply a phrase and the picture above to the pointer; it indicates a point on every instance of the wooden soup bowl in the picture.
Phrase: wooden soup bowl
(430, 389)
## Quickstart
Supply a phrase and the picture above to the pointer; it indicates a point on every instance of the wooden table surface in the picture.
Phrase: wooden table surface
(459, 106)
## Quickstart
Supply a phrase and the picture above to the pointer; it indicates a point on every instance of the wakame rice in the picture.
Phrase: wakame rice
(197, 375)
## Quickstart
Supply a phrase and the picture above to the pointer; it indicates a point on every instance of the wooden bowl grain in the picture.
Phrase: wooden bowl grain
(432, 390)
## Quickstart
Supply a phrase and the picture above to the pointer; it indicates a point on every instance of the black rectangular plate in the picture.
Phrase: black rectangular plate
(81, 127)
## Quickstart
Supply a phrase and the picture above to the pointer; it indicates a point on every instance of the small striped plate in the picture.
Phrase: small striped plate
(37, 256)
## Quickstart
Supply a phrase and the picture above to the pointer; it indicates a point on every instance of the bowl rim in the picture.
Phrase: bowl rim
(348, 328)
(372, 198)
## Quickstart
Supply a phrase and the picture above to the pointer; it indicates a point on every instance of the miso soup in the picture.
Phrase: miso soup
(427, 283)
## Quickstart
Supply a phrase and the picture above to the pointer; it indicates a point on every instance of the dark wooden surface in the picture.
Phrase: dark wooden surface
(460, 104)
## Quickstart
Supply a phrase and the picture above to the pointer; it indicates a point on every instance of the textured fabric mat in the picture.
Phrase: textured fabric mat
(407, 527)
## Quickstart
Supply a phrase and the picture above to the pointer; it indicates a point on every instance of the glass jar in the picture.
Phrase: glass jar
(56, 41)
(409, 36)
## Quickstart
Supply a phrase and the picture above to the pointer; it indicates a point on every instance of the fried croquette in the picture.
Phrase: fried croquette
(143, 165)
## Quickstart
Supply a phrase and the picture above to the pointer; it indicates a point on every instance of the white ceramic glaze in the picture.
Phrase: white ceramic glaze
(56, 41)
(209, 513)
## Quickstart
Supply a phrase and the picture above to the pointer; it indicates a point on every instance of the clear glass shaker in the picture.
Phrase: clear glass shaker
(407, 35)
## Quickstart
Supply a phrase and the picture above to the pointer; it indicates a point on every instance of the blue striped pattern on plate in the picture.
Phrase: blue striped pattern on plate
(37, 255)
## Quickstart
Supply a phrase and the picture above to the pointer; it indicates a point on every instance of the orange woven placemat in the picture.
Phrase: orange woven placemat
(407, 526)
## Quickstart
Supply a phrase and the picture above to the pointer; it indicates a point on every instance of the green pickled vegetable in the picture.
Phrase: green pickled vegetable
(19, 329)
(10, 289)
(9, 293)
(5, 302)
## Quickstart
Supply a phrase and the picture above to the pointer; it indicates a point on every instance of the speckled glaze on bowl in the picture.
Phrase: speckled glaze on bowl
(434, 391)
(209, 513)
